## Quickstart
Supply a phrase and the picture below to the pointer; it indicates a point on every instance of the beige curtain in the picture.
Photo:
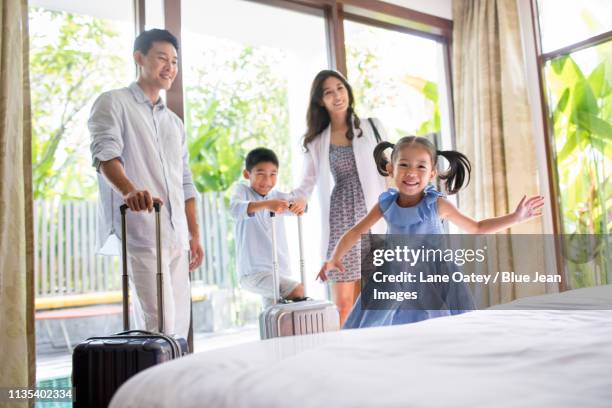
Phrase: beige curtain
(16, 235)
(494, 129)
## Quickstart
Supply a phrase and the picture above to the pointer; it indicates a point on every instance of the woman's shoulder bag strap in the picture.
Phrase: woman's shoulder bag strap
(376, 134)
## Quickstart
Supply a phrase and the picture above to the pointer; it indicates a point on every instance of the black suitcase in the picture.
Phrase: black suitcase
(100, 365)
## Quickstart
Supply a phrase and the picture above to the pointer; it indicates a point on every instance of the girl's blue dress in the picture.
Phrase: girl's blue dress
(422, 219)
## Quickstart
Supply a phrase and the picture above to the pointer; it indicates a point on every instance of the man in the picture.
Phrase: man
(139, 149)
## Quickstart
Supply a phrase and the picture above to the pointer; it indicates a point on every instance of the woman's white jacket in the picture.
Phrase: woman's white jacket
(316, 171)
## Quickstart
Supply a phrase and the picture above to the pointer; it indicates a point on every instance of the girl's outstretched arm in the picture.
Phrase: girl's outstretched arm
(349, 239)
(526, 209)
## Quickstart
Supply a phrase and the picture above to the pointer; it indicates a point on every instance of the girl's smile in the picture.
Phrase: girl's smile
(412, 172)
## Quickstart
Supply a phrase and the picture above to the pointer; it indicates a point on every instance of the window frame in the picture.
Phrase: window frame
(335, 12)
(372, 12)
(443, 37)
(542, 58)
(551, 158)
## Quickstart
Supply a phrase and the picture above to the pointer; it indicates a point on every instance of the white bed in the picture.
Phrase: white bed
(491, 358)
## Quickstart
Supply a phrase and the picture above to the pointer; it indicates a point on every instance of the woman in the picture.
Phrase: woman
(338, 160)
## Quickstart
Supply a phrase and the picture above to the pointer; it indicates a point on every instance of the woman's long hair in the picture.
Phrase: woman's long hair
(317, 117)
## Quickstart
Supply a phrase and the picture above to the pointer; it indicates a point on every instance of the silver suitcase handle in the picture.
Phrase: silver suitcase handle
(124, 275)
(275, 268)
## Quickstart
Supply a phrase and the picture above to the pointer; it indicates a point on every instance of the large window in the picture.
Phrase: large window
(246, 72)
(565, 22)
(247, 69)
(578, 86)
(77, 50)
(403, 82)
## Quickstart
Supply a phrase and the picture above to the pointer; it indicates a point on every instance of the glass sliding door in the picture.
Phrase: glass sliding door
(78, 49)
(399, 78)
(565, 22)
(577, 69)
(247, 69)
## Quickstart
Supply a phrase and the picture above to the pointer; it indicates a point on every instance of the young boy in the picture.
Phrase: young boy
(251, 206)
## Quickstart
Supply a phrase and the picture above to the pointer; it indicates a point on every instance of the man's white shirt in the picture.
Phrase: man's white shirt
(149, 140)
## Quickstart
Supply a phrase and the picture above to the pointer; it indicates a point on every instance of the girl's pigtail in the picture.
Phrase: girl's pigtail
(455, 176)
(380, 158)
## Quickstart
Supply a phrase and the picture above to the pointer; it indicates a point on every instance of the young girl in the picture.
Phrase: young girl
(415, 207)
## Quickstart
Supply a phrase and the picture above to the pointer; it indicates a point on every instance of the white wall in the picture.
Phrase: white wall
(439, 8)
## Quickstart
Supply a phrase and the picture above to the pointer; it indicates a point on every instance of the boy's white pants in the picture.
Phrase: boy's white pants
(142, 270)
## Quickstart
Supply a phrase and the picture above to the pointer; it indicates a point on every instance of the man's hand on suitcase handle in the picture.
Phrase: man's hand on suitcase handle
(141, 200)
(156, 206)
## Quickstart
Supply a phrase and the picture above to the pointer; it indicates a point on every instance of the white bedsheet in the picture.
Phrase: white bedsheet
(491, 358)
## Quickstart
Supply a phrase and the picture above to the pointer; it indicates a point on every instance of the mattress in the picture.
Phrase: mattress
(487, 358)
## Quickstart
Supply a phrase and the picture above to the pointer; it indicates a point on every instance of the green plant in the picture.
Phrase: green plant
(215, 161)
(583, 143)
(429, 90)
(228, 115)
(377, 87)
(69, 66)
(236, 99)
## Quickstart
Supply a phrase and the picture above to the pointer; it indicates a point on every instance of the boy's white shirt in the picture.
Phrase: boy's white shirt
(253, 234)
(316, 171)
